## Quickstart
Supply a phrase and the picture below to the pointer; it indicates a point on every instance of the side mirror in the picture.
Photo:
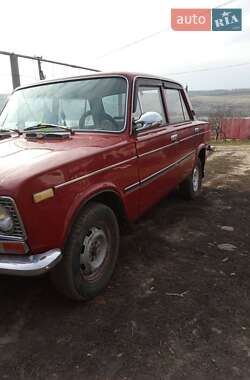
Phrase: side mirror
(148, 120)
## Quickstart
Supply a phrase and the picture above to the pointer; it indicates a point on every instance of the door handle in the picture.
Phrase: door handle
(196, 130)
(174, 137)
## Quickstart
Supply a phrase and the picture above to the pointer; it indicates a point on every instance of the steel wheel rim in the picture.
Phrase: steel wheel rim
(196, 178)
(94, 251)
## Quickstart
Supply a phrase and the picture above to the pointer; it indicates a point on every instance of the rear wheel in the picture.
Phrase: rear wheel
(190, 188)
(90, 253)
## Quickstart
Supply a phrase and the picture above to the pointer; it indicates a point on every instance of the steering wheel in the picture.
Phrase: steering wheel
(107, 121)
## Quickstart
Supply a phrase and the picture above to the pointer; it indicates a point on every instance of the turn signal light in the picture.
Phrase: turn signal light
(42, 195)
(12, 247)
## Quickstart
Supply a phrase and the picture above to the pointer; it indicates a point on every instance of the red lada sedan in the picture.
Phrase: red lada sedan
(80, 159)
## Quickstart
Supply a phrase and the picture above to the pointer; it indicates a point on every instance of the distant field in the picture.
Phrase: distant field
(227, 103)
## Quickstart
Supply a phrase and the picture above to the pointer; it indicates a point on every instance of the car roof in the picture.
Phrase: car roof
(129, 75)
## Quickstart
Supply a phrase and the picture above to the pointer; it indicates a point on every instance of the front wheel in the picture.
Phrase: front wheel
(90, 253)
(190, 188)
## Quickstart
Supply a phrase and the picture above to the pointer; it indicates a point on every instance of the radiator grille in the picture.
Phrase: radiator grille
(18, 229)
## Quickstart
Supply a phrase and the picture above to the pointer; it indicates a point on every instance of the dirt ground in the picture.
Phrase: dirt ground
(177, 307)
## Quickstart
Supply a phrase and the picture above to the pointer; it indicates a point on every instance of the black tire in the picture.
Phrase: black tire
(95, 233)
(189, 189)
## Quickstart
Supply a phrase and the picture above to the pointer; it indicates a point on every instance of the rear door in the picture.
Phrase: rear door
(182, 121)
(155, 146)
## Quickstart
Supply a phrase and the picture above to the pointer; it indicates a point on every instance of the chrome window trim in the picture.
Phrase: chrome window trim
(131, 129)
(18, 216)
(161, 79)
(180, 123)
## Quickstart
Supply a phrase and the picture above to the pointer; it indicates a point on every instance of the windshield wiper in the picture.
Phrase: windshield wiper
(47, 125)
(6, 131)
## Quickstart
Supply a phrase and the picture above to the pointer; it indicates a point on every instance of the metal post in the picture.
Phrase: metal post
(41, 74)
(15, 70)
(15, 67)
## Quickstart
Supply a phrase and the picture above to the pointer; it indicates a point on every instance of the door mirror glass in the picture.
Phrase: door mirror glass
(148, 120)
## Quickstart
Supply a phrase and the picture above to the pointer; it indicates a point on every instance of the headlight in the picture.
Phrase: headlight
(6, 222)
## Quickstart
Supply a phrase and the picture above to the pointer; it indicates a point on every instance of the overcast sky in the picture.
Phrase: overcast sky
(84, 32)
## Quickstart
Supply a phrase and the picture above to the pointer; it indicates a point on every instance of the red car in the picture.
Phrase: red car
(80, 159)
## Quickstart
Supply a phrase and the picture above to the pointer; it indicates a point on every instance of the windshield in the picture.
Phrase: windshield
(97, 104)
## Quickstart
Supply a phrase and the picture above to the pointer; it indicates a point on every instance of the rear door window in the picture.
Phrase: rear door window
(177, 110)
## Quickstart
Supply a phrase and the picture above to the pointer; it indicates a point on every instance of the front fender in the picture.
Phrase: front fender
(82, 198)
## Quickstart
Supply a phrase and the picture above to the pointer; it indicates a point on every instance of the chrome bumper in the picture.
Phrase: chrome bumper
(29, 265)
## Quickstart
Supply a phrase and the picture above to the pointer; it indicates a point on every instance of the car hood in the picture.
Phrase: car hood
(21, 159)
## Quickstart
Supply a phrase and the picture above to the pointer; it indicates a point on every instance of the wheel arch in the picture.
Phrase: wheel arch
(201, 154)
(110, 198)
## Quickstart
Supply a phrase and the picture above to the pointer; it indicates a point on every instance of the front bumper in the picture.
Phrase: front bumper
(29, 265)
